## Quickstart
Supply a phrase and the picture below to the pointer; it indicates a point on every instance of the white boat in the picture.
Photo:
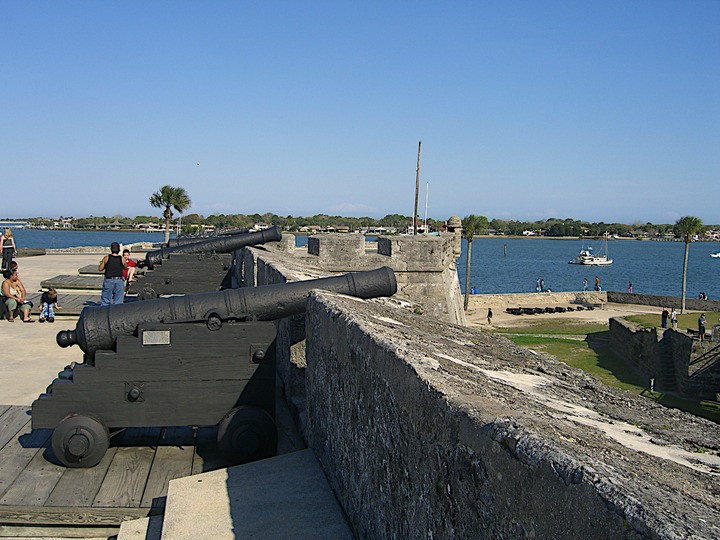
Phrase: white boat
(715, 254)
(587, 258)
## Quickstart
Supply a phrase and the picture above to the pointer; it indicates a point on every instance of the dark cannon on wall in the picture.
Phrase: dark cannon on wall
(182, 240)
(200, 266)
(195, 360)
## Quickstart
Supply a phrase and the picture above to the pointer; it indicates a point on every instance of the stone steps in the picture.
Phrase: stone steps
(286, 496)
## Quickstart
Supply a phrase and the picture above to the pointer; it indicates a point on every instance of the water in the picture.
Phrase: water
(653, 267)
(58, 239)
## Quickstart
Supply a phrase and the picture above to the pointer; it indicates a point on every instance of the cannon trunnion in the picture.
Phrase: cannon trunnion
(198, 360)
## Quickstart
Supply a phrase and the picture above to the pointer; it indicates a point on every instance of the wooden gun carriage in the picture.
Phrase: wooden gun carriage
(198, 360)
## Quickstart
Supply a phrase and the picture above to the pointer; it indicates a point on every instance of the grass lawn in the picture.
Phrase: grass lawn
(686, 320)
(556, 327)
(593, 356)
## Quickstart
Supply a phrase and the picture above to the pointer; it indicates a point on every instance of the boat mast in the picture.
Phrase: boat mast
(417, 190)
(427, 188)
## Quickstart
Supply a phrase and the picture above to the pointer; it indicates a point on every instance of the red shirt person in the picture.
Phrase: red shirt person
(128, 272)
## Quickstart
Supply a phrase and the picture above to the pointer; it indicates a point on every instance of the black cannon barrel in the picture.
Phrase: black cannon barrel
(221, 244)
(98, 327)
(182, 240)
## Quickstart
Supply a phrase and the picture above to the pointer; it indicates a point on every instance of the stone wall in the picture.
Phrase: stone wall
(432, 430)
(427, 430)
(638, 347)
(676, 362)
(662, 301)
(502, 301)
(424, 266)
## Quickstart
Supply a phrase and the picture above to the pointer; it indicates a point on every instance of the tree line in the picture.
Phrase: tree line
(547, 227)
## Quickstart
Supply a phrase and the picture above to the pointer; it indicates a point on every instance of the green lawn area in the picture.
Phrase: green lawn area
(593, 356)
(556, 327)
(685, 320)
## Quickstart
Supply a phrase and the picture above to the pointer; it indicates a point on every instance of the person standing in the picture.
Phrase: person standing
(585, 284)
(630, 287)
(597, 283)
(489, 316)
(113, 288)
(542, 285)
(673, 318)
(701, 327)
(9, 250)
(664, 317)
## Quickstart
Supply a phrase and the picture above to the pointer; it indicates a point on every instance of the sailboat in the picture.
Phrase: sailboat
(587, 258)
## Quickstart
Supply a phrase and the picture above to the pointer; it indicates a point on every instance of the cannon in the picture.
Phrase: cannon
(199, 266)
(195, 360)
(183, 240)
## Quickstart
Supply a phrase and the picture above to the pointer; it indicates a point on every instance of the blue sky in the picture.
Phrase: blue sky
(602, 111)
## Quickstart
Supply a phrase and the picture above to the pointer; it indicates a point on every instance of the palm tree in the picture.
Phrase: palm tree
(686, 227)
(471, 225)
(170, 197)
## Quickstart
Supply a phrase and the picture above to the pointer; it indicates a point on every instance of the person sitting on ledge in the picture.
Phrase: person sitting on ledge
(13, 292)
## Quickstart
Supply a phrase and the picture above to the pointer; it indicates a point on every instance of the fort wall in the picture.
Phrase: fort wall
(662, 301)
(430, 429)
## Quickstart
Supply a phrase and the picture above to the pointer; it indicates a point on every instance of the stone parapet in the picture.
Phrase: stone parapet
(428, 430)
(417, 253)
(424, 267)
(334, 249)
(584, 298)
(638, 347)
(662, 301)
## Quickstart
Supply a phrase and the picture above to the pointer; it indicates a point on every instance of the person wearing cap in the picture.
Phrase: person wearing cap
(113, 288)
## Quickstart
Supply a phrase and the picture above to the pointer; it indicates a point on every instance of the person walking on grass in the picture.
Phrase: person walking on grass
(113, 288)
(701, 327)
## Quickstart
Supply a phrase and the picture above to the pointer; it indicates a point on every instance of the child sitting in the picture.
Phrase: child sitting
(48, 305)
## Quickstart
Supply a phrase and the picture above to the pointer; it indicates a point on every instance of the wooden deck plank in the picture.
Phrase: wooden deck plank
(126, 479)
(70, 515)
(12, 421)
(35, 484)
(170, 462)
(3, 408)
(91, 269)
(19, 452)
(79, 487)
(54, 531)
(66, 281)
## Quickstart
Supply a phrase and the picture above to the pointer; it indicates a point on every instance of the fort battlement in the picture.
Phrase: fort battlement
(425, 428)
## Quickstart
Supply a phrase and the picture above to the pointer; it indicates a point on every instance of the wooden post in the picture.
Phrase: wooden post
(417, 189)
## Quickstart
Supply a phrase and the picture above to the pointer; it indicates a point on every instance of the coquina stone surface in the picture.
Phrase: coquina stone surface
(430, 430)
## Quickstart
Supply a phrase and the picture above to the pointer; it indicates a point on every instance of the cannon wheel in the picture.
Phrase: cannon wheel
(80, 441)
(147, 293)
(247, 434)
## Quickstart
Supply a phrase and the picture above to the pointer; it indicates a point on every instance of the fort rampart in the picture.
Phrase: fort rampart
(428, 429)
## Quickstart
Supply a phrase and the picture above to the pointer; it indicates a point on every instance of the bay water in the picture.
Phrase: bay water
(509, 265)
(513, 265)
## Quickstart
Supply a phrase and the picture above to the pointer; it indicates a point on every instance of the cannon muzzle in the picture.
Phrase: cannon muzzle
(221, 244)
(98, 327)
